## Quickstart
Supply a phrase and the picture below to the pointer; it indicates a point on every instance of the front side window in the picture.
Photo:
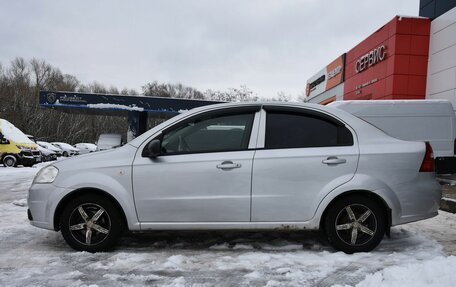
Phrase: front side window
(300, 130)
(214, 133)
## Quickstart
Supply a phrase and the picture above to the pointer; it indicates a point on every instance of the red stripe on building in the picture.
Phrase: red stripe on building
(391, 63)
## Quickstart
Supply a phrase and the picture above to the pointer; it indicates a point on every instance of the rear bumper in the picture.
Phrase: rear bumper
(413, 218)
(419, 199)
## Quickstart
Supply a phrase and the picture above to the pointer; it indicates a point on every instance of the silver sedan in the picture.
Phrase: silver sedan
(245, 166)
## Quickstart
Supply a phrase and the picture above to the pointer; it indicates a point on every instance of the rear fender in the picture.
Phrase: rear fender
(362, 182)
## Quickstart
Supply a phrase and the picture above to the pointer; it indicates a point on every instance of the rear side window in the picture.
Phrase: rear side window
(300, 130)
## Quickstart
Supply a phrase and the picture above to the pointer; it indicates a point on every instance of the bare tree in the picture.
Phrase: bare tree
(167, 90)
(41, 72)
(21, 81)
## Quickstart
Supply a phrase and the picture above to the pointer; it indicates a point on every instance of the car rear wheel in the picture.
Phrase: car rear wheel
(9, 161)
(355, 224)
(91, 223)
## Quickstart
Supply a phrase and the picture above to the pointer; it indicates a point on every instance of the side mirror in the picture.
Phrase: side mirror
(4, 141)
(152, 149)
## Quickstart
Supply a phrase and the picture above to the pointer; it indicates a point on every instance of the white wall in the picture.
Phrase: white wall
(337, 91)
(441, 80)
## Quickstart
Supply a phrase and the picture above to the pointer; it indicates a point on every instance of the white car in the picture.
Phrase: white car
(86, 147)
(109, 141)
(270, 166)
(67, 149)
(51, 147)
(47, 154)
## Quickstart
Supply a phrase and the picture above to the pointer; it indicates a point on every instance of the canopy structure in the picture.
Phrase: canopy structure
(137, 107)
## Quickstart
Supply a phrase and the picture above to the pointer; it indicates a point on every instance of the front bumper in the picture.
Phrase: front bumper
(42, 202)
(29, 157)
(37, 156)
(26, 159)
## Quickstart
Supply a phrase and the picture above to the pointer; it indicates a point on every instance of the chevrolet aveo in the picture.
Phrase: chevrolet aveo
(241, 166)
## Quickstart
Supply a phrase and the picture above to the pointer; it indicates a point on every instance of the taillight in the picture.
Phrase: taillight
(428, 164)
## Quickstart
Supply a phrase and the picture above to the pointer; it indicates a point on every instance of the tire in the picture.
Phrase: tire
(65, 154)
(104, 231)
(9, 161)
(369, 221)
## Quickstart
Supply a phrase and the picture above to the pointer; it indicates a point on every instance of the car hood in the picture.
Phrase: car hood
(45, 151)
(49, 146)
(53, 148)
(121, 156)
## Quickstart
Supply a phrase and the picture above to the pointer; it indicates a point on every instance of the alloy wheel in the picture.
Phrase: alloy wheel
(89, 224)
(356, 224)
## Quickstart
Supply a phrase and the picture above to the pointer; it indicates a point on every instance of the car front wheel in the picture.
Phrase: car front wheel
(355, 224)
(9, 161)
(91, 223)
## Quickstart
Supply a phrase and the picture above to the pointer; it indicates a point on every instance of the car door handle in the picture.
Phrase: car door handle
(228, 165)
(334, 160)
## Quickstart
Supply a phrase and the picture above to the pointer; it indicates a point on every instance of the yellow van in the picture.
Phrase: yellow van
(15, 147)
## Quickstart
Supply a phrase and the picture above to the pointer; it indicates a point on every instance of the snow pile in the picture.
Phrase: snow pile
(10, 132)
(35, 257)
(132, 277)
(20, 202)
(115, 106)
(437, 272)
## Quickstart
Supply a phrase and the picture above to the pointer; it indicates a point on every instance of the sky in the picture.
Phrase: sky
(269, 46)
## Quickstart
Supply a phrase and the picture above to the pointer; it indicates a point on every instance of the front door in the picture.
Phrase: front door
(203, 173)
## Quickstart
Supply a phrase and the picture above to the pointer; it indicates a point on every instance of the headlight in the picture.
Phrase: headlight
(46, 175)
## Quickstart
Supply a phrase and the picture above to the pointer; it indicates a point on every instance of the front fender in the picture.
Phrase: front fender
(115, 181)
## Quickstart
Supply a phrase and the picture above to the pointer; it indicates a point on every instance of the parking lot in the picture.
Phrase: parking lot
(31, 256)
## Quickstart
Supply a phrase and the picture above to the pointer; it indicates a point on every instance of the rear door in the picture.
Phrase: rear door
(302, 155)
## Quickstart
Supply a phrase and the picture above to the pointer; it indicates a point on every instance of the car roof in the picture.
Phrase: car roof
(338, 113)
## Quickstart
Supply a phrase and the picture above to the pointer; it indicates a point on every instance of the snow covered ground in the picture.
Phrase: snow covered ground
(418, 254)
